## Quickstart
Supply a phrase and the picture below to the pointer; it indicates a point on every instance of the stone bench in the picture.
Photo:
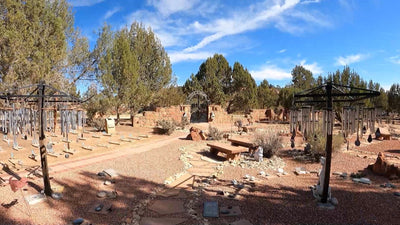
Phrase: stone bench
(243, 142)
(232, 152)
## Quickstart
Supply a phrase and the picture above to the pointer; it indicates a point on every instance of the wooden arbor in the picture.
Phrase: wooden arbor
(324, 96)
(38, 96)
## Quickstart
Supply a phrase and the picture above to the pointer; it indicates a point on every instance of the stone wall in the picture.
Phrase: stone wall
(150, 118)
(216, 114)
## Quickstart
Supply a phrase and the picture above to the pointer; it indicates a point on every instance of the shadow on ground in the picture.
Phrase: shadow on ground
(260, 203)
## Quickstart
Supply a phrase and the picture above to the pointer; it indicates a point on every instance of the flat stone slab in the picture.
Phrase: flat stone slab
(170, 192)
(211, 209)
(161, 221)
(241, 142)
(362, 180)
(241, 222)
(111, 172)
(36, 198)
(184, 181)
(227, 148)
(165, 207)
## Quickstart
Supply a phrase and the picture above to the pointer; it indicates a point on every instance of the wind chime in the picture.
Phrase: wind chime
(294, 118)
(370, 122)
(379, 120)
(305, 121)
(360, 116)
(348, 121)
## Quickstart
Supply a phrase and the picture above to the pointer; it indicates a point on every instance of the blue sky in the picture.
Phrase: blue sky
(268, 37)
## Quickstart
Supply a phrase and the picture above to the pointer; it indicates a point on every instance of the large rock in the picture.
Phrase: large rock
(384, 168)
(195, 134)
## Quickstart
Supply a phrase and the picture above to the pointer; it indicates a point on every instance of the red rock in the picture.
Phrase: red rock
(195, 136)
(382, 167)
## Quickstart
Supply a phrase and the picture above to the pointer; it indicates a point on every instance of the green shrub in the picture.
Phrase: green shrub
(214, 133)
(166, 126)
(270, 142)
(184, 122)
(318, 144)
(98, 123)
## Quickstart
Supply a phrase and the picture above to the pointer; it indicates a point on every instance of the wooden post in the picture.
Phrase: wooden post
(43, 155)
(328, 147)
(55, 117)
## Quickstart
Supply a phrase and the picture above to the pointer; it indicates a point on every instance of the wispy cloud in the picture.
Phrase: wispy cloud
(201, 24)
(310, 1)
(79, 3)
(168, 7)
(395, 59)
(282, 51)
(313, 67)
(176, 57)
(111, 12)
(270, 72)
(347, 60)
(240, 22)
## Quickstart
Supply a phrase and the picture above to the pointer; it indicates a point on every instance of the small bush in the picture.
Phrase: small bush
(166, 126)
(270, 142)
(184, 122)
(238, 124)
(98, 123)
(318, 144)
(214, 133)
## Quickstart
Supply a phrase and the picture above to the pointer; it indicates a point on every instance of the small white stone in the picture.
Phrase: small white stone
(334, 201)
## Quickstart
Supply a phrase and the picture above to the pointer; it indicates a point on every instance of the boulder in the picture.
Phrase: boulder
(195, 134)
(384, 167)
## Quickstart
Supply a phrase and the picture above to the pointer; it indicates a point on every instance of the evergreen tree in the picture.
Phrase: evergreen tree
(244, 90)
(302, 78)
(34, 38)
(214, 77)
(154, 64)
(267, 95)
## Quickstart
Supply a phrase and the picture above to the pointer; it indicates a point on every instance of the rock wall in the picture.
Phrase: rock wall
(216, 114)
(150, 118)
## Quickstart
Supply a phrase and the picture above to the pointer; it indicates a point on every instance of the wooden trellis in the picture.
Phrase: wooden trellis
(37, 112)
(324, 96)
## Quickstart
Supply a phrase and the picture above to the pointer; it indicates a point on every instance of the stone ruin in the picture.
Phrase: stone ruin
(384, 167)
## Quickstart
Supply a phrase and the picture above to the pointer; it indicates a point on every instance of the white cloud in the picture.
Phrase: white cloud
(240, 22)
(310, 1)
(78, 3)
(168, 7)
(347, 60)
(270, 72)
(111, 12)
(176, 57)
(395, 59)
(313, 67)
(169, 35)
(282, 51)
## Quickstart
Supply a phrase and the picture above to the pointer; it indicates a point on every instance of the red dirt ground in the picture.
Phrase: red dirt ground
(144, 165)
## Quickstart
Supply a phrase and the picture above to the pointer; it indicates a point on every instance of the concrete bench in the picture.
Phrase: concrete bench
(232, 152)
(243, 142)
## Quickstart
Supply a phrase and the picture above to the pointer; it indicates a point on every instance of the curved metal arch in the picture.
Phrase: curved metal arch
(195, 93)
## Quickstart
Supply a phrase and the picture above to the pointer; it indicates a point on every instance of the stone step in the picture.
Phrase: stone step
(184, 181)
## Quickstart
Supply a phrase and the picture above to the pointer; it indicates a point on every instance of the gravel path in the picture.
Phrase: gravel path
(273, 199)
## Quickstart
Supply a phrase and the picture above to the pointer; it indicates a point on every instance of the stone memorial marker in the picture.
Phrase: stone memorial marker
(210, 209)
